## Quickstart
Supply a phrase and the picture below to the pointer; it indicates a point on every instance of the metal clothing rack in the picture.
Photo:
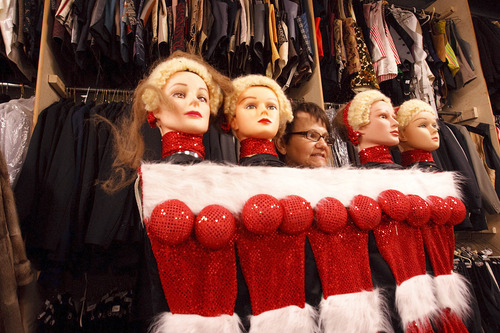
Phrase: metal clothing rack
(4, 88)
(102, 95)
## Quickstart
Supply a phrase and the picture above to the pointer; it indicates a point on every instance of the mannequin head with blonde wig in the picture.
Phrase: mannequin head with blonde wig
(257, 108)
(368, 120)
(418, 128)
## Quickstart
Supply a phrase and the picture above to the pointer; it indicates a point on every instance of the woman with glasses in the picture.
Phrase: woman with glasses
(306, 140)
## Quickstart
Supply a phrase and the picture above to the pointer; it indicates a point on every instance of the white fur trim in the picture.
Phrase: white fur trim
(363, 312)
(206, 183)
(452, 291)
(168, 322)
(290, 319)
(415, 300)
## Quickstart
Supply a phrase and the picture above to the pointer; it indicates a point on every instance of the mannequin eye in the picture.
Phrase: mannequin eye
(272, 107)
(203, 99)
(178, 95)
(250, 106)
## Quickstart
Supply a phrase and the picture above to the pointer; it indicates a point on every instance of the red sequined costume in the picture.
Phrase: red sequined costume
(271, 237)
(452, 291)
(249, 193)
(195, 254)
(400, 243)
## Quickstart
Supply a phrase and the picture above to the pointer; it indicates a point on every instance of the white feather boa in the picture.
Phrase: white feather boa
(204, 184)
(167, 322)
(416, 301)
(290, 319)
(452, 291)
(362, 312)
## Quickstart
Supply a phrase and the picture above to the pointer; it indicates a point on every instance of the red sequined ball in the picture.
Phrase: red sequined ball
(420, 211)
(395, 204)
(298, 214)
(171, 222)
(214, 226)
(330, 215)
(262, 214)
(365, 212)
(458, 210)
(440, 210)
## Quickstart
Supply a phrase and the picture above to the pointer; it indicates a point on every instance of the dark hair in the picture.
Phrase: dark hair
(308, 107)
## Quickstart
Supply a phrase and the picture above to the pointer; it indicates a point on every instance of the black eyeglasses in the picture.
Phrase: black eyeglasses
(315, 136)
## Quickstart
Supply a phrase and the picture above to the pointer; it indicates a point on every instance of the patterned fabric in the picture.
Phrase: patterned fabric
(180, 22)
(351, 48)
(365, 78)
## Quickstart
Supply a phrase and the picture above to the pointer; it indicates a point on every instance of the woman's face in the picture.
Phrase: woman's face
(257, 114)
(420, 133)
(187, 109)
(302, 152)
(382, 130)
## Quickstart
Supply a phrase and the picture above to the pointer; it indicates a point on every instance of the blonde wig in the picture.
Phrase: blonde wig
(358, 113)
(158, 78)
(244, 82)
(410, 109)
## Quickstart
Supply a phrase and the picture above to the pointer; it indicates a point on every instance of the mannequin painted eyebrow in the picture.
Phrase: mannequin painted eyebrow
(185, 85)
(273, 99)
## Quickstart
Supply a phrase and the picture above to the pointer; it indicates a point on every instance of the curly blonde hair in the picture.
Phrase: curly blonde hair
(242, 83)
(148, 96)
(359, 109)
(150, 88)
(410, 109)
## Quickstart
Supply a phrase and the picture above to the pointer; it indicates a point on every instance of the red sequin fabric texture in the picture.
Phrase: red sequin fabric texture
(330, 215)
(297, 215)
(195, 279)
(365, 212)
(262, 214)
(333, 236)
(439, 238)
(272, 262)
(410, 157)
(421, 327)
(214, 227)
(400, 244)
(395, 204)
(251, 146)
(439, 241)
(342, 259)
(377, 154)
(450, 322)
(420, 211)
(175, 142)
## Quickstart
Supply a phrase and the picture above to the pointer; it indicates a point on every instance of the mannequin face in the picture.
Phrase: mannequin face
(187, 108)
(256, 115)
(382, 129)
(420, 133)
(302, 152)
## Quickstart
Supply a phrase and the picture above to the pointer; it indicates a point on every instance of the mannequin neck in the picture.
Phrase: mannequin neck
(179, 142)
(413, 156)
(251, 146)
(377, 154)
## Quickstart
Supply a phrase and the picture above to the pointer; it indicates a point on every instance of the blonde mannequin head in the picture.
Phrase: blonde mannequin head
(250, 88)
(369, 120)
(418, 128)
